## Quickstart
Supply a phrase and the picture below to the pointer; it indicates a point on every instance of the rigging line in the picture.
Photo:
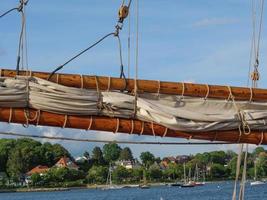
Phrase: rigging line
(79, 54)
(20, 46)
(129, 43)
(108, 141)
(260, 27)
(9, 11)
(122, 74)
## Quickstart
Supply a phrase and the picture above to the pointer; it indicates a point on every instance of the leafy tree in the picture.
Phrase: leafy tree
(257, 151)
(147, 159)
(6, 145)
(219, 157)
(126, 154)
(97, 156)
(120, 174)
(218, 170)
(36, 179)
(97, 174)
(15, 165)
(111, 152)
(154, 172)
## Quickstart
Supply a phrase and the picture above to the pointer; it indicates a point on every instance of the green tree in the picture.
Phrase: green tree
(155, 173)
(147, 159)
(218, 171)
(6, 145)
(15, 165)
(97, 174)
(97, 156)
(36, 179)
(120, 174)
(126, 154)
(111, 152)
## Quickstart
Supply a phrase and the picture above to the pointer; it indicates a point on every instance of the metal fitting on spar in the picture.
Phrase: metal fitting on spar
(123, 13)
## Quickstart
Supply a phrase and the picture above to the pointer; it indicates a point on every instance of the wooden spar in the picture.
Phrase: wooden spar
(100, 123)
(151, 86)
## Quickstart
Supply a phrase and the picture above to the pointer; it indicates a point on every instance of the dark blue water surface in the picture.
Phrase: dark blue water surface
(212, 191)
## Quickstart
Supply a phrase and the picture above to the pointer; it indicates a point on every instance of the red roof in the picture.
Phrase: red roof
(39, 169)
(66, 162)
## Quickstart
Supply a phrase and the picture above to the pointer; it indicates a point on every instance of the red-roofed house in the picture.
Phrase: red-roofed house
(40, 169)
(66, 162)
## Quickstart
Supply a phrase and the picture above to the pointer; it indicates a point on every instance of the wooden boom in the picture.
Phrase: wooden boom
(151, 86)
(100, 123)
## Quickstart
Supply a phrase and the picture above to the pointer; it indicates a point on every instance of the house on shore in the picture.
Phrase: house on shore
(67, 163)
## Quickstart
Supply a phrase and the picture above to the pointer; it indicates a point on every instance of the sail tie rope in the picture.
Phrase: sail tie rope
(208, 92)
(90, 123)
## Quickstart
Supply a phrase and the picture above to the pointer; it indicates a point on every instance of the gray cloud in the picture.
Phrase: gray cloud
(215, 22)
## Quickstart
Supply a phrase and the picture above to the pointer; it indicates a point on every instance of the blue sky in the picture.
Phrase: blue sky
(204, 41)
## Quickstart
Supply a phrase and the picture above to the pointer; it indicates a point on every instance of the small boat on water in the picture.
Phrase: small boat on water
(110, 185)
(253, 183)
(176, 184)
(256, 182)
(187, 183)
(144, 186)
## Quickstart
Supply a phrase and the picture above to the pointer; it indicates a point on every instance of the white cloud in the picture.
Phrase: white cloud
(215, 22)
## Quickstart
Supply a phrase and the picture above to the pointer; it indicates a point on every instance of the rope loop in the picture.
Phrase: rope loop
(231, 96)
(251, 95)
(152, 127)
(109, 83)
(118, 126)
(165, 132)
(100, 103)
(142, 128)
(90, 123)
(208, 92)
(10, 115)
(57, 78)
(132, 127)
(81, 77)
(158, 92)
(262, 137)
(65, 121)
(183, 89)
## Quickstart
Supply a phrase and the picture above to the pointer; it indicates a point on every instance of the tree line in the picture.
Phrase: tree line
(19, 156)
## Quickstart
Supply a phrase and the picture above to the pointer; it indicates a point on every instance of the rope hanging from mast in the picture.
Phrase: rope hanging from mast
(122, 15)
(22, 37)
(254, 76)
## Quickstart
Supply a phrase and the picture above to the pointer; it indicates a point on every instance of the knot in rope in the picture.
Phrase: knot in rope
(22, 3)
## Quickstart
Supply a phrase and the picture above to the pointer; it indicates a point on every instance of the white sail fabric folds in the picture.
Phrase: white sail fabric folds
(175, 112)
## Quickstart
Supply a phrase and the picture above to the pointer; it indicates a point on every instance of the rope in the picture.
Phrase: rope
(152, 127)
(118, 126)
(158, 92)
(165, 132)
(109, 141)
(129, 43)
(79, 54)
(262, 137)
(90, 123)
(10, 115)
(136, 60)
(238, 163)
(208, 92)
(132, 127)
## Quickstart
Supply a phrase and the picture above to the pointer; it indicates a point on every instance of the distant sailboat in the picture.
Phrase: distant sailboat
(256, 182)
(187, 183)
(109, 184)
(196, 178)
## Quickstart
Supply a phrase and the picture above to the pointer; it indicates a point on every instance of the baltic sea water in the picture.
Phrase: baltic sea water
(212, 191)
